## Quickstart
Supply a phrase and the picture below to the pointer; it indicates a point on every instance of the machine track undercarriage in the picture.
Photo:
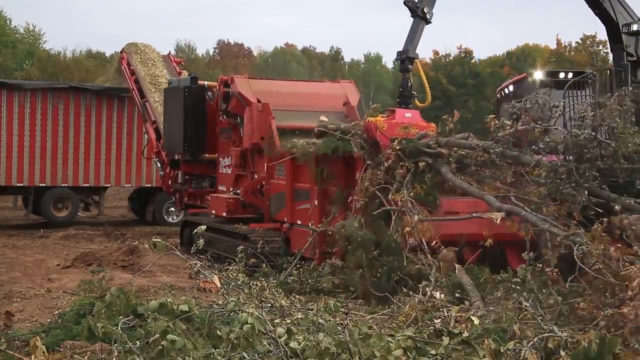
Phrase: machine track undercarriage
(228, 240)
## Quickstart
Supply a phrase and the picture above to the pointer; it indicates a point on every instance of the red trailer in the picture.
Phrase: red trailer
(63, 145)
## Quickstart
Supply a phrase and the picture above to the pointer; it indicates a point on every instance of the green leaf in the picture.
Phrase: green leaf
(175, 342)
(158, 326)
(139, 311)
(332, 328)
(153, 306)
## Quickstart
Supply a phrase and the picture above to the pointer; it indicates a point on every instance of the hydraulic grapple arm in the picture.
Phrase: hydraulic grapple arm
(623, 31)
(422, 13)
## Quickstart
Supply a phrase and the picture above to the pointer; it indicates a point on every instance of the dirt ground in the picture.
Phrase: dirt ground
(41, 266)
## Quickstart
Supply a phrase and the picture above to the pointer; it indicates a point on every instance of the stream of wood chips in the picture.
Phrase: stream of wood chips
(153, 73)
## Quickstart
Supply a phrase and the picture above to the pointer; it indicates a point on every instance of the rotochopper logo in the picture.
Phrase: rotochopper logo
(225, 165)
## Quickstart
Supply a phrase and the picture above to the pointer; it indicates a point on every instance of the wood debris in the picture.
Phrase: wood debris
(153, 72)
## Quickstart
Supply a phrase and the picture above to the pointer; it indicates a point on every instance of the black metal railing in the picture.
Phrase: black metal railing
(579, 99)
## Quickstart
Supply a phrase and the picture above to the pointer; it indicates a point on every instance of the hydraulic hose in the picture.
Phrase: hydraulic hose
(427, 89)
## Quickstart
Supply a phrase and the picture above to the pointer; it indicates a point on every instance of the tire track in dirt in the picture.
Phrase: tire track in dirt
(40, 267)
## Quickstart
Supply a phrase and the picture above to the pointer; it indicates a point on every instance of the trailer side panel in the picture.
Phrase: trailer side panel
(71, 136)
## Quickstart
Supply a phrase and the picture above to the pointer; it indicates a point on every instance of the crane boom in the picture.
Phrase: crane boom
(422, 14)
(619, 19)
(623, 29)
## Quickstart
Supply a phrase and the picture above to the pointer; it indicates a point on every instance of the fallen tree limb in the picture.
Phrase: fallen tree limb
(295, 261)
(495, 217)
(518, 157)
(471, 190)
(528, 128)
(16, 355)
(624, 202)
(476, 299)
(627, 204)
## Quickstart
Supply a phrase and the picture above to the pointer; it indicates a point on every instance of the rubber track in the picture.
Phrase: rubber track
(225, 238)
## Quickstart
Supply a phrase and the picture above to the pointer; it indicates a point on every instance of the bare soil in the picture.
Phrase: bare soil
(41, 266)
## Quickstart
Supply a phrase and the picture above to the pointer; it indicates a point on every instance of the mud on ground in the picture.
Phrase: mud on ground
(41, 266)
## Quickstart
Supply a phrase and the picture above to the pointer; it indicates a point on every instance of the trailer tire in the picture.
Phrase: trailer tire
(59, 206)
(36, 204)
(165, 210)
(139, 201)
(186, 237)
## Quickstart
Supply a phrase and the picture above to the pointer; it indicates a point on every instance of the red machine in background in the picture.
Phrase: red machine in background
(228, 166)
(225, 157)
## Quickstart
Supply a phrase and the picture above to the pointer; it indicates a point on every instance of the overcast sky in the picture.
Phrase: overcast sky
(357, 26)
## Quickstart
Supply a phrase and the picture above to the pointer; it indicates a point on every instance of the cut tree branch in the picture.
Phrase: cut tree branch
(531, 218)
(624, 202)
(470, 288)
(627, 204)
(488, 216)
(518, 157)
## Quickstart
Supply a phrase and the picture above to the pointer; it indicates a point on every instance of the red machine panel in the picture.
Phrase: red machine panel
(308, 193)
(54, 134)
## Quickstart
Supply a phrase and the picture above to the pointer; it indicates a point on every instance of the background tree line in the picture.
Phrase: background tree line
(459, 80)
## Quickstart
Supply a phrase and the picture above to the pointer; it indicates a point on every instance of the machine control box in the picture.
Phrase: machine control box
(185, 117)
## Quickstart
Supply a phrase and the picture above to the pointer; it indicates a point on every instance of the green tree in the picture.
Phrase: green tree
(524, 58)
(591, 51)
(19, 45)
(374, 80)
(283, 62)
(336, 67)
(195, 63)
(325, 65)
(230, 57)
(9, 46)
(77, 66)
(561, 56)
(458, 83)
(315, 62)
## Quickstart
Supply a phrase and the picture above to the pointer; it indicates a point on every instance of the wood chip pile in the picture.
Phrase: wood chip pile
(153, 72)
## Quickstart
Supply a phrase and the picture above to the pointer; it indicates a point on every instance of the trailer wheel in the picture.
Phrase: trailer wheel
(165, 210)
(59, 206)
(186, 237)
(139, 201)
(36, 205)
